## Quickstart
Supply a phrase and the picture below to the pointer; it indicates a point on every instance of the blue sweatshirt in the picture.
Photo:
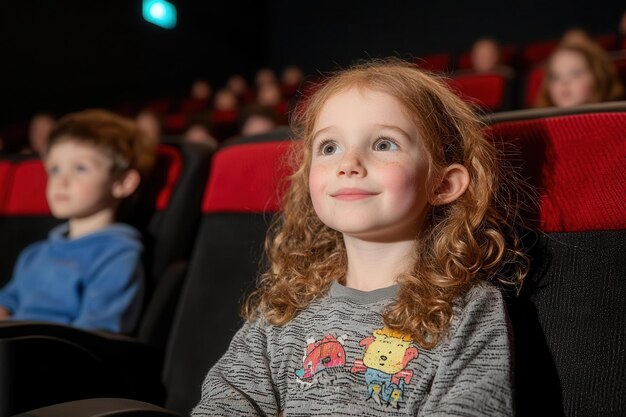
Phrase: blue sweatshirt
(94, 282)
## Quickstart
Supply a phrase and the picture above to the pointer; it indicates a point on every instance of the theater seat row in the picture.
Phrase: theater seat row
(568, 320)
(517, 56)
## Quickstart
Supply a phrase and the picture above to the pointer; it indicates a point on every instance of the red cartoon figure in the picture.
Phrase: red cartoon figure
(326, 353)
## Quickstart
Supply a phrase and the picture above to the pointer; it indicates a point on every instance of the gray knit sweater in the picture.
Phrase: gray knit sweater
(337, 358)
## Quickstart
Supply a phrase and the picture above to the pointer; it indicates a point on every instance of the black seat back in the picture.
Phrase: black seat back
(240, 198)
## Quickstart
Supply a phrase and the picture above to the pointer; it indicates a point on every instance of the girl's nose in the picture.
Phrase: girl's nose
(351, 165)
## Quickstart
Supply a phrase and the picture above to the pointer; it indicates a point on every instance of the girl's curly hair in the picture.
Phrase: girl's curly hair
(462, 243)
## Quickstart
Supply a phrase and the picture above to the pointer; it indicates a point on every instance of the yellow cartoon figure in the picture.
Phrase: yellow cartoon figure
(386, 356)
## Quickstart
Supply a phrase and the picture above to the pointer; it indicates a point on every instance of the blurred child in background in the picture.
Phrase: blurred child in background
(39, 128)
(257, 119)
(579, 73)
(88, 273)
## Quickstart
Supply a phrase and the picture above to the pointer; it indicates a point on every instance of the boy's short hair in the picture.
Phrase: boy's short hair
(116, 136)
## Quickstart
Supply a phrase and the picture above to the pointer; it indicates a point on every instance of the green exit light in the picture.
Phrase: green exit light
(160, 12)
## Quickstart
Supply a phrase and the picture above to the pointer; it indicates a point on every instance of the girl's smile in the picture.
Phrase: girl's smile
(349, 194)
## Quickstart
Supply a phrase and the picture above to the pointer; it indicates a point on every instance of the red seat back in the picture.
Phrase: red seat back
(253, 186)
(6, 173)
(606, 41)
(434, 62)
(170, 161)
(576, 163)
(485, 90)
(536, 52)
(27, 191)
(533, 84)
(620, 65)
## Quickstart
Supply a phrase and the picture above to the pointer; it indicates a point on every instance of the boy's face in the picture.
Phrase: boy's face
(79, 180)
(369, 167)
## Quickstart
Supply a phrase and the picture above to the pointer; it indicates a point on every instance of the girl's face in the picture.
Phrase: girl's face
(369, 167)
(570, 81)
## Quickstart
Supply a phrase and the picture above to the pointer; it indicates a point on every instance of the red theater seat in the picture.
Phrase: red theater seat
(5, 180)
(572, 303)
(175, 123)
(533, 84)
(620, 65)
(577, 164)
(24, 213)
(161, 105)
(224, 124)
(253, 189)
(536, 52)
(27, 194)
(488, 91)
(606, 41)
(435, 62)
(191, 105)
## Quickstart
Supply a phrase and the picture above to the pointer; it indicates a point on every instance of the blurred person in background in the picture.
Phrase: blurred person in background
(225, 100)
(200, 133)
(238, 85)
(151, 125)
(576, 36)
(486, 58)
(265, 76)
(290, 80)
(256, 119)
(39, 129)
(579, 74)
(485, 55)
(201, 90)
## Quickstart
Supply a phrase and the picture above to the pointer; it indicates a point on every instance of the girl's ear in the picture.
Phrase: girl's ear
(454, 182)
(127, 184)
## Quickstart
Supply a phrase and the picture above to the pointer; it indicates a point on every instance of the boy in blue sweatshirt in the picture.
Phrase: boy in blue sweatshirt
(88, 273)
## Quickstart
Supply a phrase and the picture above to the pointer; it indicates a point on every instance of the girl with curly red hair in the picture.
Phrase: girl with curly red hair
(380, 297)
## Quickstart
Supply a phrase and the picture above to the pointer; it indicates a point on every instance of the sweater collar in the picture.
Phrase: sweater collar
(363, 297)
(59, 234)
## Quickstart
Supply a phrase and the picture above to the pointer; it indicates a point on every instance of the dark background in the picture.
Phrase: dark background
(64, 55)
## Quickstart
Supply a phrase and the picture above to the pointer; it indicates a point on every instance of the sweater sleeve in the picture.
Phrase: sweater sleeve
(9, 294)
(113, 293)
(474, 377)
(240, 383)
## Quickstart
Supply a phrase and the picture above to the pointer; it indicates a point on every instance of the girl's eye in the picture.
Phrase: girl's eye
(329, 148)
(81, 168)
(53, 170)
(384, 145)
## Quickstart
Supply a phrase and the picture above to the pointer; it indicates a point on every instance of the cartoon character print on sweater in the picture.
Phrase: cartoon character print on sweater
(387, 353)
(322, 355)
